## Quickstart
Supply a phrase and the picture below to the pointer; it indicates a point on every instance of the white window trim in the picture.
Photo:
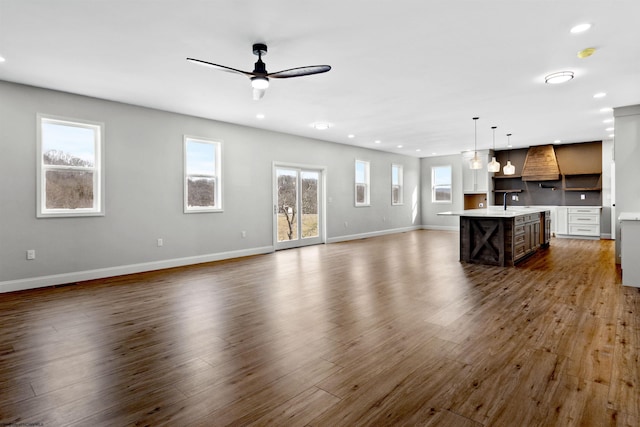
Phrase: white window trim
(400, 184)
(218, 175)
(367, 184)
(433, 186)
(98, 208)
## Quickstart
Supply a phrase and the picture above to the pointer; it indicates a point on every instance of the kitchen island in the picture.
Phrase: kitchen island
(496, 236)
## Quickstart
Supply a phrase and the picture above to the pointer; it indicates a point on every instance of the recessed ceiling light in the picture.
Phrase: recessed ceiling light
(559, 77)
(609, 129)
(557, 141)
(321, 125)
(585, 53)
(260, 116)
(611, 135)
(2, 59)
(580, 28)
(377, 141)
(606, 110)
(433, 154)
(600, 95)
(400, 146)
(607, 121)
(417, 149)
(351, 136)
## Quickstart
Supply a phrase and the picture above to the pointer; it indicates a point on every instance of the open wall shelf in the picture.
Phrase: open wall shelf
(582, 182)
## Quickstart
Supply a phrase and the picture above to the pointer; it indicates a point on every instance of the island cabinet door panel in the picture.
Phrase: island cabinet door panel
(482, 240)
(519, 241)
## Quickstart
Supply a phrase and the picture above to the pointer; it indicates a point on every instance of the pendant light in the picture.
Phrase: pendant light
(494, 166)
(508, 169)
(475, 163)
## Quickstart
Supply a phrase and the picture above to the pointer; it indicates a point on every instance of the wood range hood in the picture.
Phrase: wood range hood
(541, 164)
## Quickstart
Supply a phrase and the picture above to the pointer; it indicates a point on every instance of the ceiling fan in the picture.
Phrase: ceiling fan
(259, 76)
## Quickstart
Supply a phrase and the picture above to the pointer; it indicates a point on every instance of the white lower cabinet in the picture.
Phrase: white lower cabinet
(578, 221)
(630, 248)
(561, 220)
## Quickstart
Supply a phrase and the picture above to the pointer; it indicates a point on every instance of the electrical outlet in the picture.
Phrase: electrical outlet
(384, 219)
(514, 197)
(583, 196)
(160, 242)
(346, 224)
(243, 234)
(31, 254)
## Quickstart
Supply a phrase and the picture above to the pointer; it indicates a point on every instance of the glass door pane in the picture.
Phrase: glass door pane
(287, 205)
(309, 196)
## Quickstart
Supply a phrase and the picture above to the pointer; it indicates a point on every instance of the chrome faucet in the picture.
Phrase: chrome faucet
(504, 202)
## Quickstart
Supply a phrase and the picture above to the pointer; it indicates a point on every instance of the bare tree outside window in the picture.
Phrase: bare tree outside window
(292, 210)
(65, 188)
(287, 203)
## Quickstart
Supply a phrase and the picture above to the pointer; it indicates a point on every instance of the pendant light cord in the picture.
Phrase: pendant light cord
(475, 136)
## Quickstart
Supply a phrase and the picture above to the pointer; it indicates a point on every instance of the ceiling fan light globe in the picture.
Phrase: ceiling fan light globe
(258, 82)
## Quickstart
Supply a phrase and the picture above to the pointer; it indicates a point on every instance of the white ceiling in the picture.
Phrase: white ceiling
(405, 72)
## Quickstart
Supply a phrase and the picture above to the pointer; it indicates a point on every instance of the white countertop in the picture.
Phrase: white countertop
(496, 212)
(629, 216)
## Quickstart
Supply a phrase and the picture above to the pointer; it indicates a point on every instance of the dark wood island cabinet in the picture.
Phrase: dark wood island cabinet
(502, 237)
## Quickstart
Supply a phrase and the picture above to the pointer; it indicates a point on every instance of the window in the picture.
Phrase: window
(396, 184)
(70, 170)
(202, 175)
(441, 184)
(362, 183)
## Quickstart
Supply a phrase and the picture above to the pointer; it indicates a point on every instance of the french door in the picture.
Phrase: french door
(298, 206)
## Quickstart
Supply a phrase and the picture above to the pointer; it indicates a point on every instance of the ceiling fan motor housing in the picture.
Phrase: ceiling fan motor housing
(259, 49)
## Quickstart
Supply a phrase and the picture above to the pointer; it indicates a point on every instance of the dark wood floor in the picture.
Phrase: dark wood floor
(383, 331)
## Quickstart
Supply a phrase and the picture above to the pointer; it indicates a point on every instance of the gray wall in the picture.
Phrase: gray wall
(430, 217)
(144, 192)
(626, 155)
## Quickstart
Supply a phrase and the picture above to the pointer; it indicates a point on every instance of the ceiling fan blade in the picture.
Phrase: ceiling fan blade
(300, 71)
(258, 94)
(219, 67)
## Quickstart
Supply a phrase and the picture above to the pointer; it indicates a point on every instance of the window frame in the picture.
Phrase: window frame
(217, 175)
(366, 183)
(399, 184)
(98, 169)
(435, 186)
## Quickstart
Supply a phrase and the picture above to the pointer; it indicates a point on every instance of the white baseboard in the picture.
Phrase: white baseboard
(79, 276)
(441, 227)
(372, 234)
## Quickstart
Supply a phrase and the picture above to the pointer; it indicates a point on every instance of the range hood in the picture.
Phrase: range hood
(541, 164)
